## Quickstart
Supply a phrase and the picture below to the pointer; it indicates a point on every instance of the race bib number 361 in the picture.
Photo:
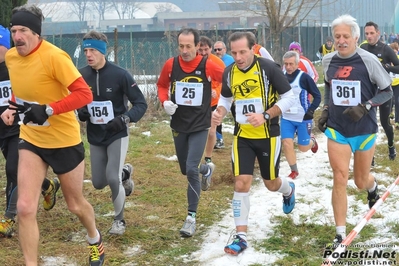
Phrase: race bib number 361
(346, 92)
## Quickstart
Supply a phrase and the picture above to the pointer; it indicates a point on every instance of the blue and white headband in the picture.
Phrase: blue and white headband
(101, 46)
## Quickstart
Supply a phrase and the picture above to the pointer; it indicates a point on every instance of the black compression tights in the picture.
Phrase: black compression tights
(385, 111)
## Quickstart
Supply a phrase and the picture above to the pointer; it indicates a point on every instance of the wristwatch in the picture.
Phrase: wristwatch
(49, 110)
(266, 116)
(125, 119)
(368, 106)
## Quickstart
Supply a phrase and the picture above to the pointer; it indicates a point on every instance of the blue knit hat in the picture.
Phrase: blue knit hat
(4, 37)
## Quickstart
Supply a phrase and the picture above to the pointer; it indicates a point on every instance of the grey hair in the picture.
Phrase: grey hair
(95, 35)
(290, 54)
(349, 21)
(222, 43)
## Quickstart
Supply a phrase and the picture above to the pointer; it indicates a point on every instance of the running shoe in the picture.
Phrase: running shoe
(238, 246)
(6, 227)
(289, 201)
(315, 146)
(372, 197)
(392, 153)
(206, 179)
(188, 228)
(128, 183)
(118, 227)
(335, 243)
(219, 144)
(50, 195)
(97, 254)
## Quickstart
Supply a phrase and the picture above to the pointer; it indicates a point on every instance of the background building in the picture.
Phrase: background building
(143, 33)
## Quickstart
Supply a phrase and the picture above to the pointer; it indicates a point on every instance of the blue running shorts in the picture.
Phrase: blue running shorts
(357, 143)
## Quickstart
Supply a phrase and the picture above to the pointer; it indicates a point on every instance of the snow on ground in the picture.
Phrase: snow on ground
(314, 189)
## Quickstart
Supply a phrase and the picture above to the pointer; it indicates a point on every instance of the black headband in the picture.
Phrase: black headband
(27, 19)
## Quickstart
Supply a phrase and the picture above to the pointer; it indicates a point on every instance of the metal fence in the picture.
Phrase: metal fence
(144, 53)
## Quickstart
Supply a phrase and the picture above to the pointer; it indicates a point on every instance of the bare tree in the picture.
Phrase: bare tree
(79, 8)
(126, 8)
(166, 7)
(279, 15)
(101, 6)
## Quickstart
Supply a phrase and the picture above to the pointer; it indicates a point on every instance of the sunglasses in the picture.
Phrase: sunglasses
(218, 49)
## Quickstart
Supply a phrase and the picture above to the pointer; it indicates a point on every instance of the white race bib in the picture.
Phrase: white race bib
(346, 92)
(101, 112)
(189, 93)
(247, 106)
(5, 92)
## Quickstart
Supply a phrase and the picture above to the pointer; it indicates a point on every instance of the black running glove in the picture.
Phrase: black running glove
(387, 67)
(356, 112)
(308, 115)
(83, 114)
(34, 113)
(322, 123)
(115, 125)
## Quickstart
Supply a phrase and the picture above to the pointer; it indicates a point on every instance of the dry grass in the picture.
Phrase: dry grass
(154, 213)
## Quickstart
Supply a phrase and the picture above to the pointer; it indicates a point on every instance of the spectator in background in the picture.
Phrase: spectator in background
(391, 37)
(327, 47)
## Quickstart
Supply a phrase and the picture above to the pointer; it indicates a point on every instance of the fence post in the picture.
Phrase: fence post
(116, 46)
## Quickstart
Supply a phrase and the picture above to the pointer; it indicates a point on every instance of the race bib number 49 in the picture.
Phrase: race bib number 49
(247, 106)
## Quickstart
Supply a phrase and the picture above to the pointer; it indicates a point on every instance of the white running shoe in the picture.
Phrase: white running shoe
(206, 179)
(118, 227)
(188, 228)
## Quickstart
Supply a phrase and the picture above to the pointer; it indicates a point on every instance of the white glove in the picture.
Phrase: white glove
(170, 107)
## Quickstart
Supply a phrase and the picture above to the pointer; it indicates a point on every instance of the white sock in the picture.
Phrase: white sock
(374, 185)
(93, 240)
(341, 230)
(241, 207)
(243, 235)
(285, 187)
